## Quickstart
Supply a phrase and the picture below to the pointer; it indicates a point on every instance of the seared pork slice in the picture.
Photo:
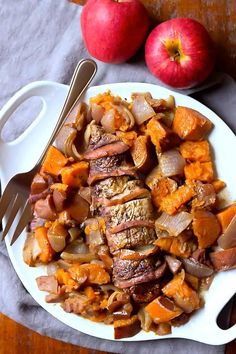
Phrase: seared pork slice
(106, 164)
(110, 166)
(127, 273)
(110, 187)
(145, 292)
(107, 150)
(131, 190)
(131, 238)
(99, 138)
(136, 211)
(103, 144)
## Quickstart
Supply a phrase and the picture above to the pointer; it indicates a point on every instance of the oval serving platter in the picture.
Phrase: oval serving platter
(21, 154)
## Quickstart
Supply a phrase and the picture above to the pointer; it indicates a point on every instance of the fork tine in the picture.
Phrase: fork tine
(24, 219)
(14, 209)
(5, 202)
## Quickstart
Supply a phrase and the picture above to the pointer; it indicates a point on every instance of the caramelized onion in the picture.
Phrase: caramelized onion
(228, 239)
(171, 163)
(31, 250)
(128, 117)
(174, 224)
(75, 124)
(97, 112)
(197, 269)
(57, 236)
(141, 110)
(108, 121)
(86, 193)
(145, 319)
(173, 263)
(81, 257)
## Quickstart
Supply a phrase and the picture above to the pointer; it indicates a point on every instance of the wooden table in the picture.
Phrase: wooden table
(15, 339)
(219, 17)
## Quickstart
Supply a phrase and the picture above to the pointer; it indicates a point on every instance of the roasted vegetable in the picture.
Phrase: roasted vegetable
(47, 252)
(54, 161)
(206, 228)
(163, 310)
(226, 215)
(201, 171)
(127, 327)
(172, 203)
(161, 136)
(141, 154)
(224, 260)
(196, 151)
(75, 175)
(162, 188)
(185, 297)
(190, 124)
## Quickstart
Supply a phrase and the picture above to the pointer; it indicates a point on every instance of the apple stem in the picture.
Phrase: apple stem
(176, 56)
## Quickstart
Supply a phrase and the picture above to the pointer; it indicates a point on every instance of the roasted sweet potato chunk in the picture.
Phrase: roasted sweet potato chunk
(224, 260)
(185, 297)
(190, 124)
(218, 185)
(202, 171)
(164, 187)
(75, 175)
(162, 310)
(206, 228)
(127, 327)
(173, 202)
(53, 162)
(196, 151)
(46, 250)
(161, 136)
(226, 215)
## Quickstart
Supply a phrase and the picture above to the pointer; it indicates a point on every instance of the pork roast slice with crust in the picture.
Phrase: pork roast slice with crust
(135, 210)
(133, 189)
(99, 138)
(127, 273)
(113, 186)
(131, 238)
(107, 164)
(113, 149)
(145, 292)
(110, 166)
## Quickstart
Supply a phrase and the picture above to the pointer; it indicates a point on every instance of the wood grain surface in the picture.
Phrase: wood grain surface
(218, 16)
(16, 339)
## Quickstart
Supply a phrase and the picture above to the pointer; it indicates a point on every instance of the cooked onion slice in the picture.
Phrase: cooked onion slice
(171, 163)
(173, 263)
(77, 251)
(228, 238)
(174, 224)
(97, 112)
(108, 121)
(141, 110)
(197, 269)
(57, 236)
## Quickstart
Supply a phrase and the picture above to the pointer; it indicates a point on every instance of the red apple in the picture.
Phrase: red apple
(113, 30)
(180, 53)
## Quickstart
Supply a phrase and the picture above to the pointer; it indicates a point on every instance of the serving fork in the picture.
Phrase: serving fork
(15, 197)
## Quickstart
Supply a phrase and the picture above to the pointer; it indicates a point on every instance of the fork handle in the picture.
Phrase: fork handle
(83, 75)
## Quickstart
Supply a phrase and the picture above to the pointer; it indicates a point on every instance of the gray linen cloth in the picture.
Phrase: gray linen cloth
(41, 40)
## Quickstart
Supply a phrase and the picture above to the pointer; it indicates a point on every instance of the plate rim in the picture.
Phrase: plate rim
(103, 88)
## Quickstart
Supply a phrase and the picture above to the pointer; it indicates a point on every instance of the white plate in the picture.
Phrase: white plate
(21, 154)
